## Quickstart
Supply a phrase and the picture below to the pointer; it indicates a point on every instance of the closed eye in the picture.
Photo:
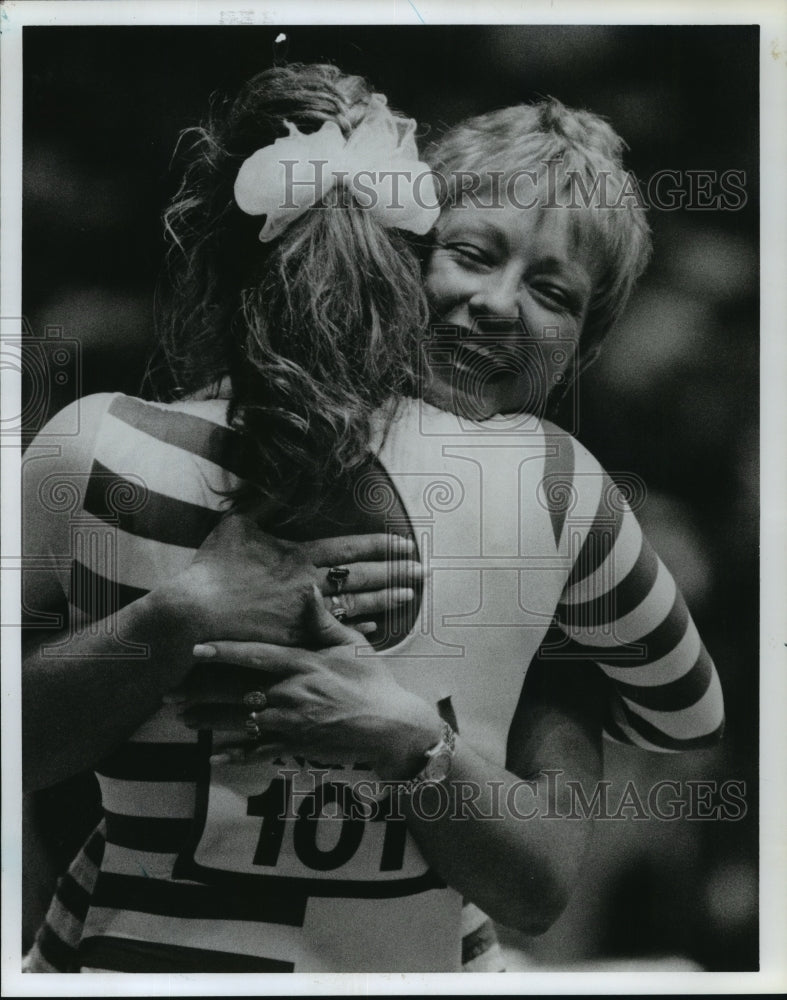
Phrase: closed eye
(560, 296)
(468, 253)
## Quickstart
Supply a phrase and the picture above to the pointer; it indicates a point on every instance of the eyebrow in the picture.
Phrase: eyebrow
(476, 227)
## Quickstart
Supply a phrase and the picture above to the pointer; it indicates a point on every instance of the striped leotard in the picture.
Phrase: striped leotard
(523, 532)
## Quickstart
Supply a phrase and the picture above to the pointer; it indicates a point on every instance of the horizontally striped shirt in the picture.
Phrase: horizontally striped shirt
(159, 483)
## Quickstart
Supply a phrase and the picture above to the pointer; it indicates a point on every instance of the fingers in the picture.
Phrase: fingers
(212, 680)
(263, 657)
(376, 576)
(373, 602)
(217, 691)
(273, 724)
(233, 717)
(323, 627)
(247, 752)
(357, 548)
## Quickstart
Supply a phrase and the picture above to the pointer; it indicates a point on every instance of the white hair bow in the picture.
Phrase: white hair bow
(379, 164)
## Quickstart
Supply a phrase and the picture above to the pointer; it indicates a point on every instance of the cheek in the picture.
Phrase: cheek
(558, 339)
(443, 283)
(558, 332)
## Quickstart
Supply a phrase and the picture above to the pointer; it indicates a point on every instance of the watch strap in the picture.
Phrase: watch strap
(445, 747)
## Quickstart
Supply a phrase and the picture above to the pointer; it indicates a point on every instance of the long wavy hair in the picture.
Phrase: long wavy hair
(316, 330)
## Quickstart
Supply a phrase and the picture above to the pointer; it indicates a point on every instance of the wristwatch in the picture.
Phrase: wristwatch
(438, 762)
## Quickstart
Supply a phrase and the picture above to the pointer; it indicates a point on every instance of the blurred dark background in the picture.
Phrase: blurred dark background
(673, 399)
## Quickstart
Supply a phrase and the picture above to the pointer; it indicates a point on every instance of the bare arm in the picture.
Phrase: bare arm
(519, 866)
(79, 696)
(77, 707)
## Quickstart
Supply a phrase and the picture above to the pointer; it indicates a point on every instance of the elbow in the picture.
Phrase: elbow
(718, 733)
(712, 737)
(538, 904)
(715, 712)
(531, 920)
(708, 715)
(550, 909)
(541, 884)
(537, 927)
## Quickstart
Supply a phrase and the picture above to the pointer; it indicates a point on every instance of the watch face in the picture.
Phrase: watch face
(437, 767)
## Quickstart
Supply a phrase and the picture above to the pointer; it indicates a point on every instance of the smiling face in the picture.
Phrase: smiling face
(509, 289)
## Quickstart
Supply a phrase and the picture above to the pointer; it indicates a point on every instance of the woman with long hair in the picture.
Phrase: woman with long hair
(384, 783)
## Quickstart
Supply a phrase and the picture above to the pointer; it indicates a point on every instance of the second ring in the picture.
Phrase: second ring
(338, 610)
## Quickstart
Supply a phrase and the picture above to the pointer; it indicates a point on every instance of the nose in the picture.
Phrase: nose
(498, 295)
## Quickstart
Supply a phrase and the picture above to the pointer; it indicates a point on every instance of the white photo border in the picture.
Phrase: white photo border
(772, 16)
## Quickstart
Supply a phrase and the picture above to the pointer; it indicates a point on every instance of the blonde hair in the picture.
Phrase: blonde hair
(582, 155)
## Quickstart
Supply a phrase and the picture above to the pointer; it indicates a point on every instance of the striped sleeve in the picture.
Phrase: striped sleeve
(161, 478)
(57, 941)
(622, 609)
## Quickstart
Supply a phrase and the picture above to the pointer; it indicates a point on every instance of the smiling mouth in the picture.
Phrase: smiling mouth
(493, 363)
